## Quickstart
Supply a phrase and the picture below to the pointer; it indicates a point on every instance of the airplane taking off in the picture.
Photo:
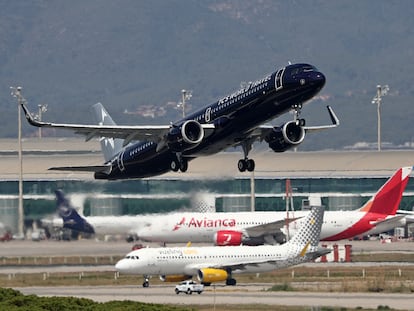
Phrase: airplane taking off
(216, 264)
(234, 120)
(253, 228)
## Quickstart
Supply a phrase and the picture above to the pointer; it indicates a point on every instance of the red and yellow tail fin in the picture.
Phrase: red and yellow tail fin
(388, 197)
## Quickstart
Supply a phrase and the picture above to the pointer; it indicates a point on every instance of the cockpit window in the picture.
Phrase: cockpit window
(309, 68)
(296, 71)
(132, 257)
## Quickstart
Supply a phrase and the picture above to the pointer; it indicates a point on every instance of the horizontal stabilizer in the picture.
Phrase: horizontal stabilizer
(94, 168)
(319, 252)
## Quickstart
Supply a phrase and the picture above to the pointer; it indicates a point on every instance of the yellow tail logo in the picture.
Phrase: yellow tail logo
(304, 250)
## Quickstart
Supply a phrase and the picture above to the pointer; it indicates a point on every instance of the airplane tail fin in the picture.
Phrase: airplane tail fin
(308, 236)
(388, 197)
(110, 146)
(71, 219)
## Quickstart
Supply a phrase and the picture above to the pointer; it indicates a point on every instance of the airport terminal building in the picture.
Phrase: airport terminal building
(342, 180)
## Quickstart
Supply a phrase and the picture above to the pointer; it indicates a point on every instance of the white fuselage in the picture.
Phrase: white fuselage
(188, 260)
(201, 227)
(113, 225)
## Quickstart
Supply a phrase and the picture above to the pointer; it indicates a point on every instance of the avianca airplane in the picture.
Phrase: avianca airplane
(216, 264)
(237, 119)
(250, 228)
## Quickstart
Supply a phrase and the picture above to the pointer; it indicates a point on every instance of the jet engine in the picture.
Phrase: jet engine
(174, 278)
(284, 137)
(185, 137)
(228, 238)
(209, 275)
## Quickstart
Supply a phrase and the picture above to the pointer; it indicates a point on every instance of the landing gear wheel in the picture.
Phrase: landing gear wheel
(246, 164)
(184, 166)
(231, 282)
(250, 165)
(242, 165)
(145, 284)
(175, 165)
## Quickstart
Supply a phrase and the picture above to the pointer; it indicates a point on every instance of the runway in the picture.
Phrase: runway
(240, 294)
(120, 248)
(164, 293)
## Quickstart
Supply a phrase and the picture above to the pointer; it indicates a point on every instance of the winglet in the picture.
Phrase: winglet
(29, 116)
(388, 197)
(334, 120)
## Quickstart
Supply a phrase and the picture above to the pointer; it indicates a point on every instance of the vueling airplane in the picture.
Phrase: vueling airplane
(248, 228)
(237, 119)
(216, 264)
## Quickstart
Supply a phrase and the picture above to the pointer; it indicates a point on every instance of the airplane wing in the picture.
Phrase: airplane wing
(408, 215)
(268, 228)
(262, 131)
(389, 221)
(192, 269)
(313, 255)
(127, 132)
(400, 211)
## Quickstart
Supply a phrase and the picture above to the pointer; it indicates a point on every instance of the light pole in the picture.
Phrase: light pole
(185, 95)
(381, 91)
(16, 92)
(42, 109)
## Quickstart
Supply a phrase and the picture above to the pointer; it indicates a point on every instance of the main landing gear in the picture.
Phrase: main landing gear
(179, 164)
(246, 163)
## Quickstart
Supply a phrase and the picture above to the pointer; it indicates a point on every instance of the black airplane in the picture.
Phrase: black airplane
(238, 119)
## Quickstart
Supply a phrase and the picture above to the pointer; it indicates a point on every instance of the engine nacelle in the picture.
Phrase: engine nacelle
(174, 278)
(286, 136)
(228, 238)
(186, 136)
(210, 275)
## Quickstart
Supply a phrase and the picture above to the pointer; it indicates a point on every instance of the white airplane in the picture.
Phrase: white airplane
(249, 228)
(215, 264)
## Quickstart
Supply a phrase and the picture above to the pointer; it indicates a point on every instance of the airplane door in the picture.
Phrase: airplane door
(279, 80)
(207, 117)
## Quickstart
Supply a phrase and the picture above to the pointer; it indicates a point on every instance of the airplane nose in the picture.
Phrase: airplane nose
(122, 266)
(319, 79)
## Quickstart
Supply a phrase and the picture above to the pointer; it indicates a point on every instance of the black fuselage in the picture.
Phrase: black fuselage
(234, 117)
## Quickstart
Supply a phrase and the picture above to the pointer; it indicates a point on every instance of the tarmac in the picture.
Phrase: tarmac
(41, 154)
(93, 247)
